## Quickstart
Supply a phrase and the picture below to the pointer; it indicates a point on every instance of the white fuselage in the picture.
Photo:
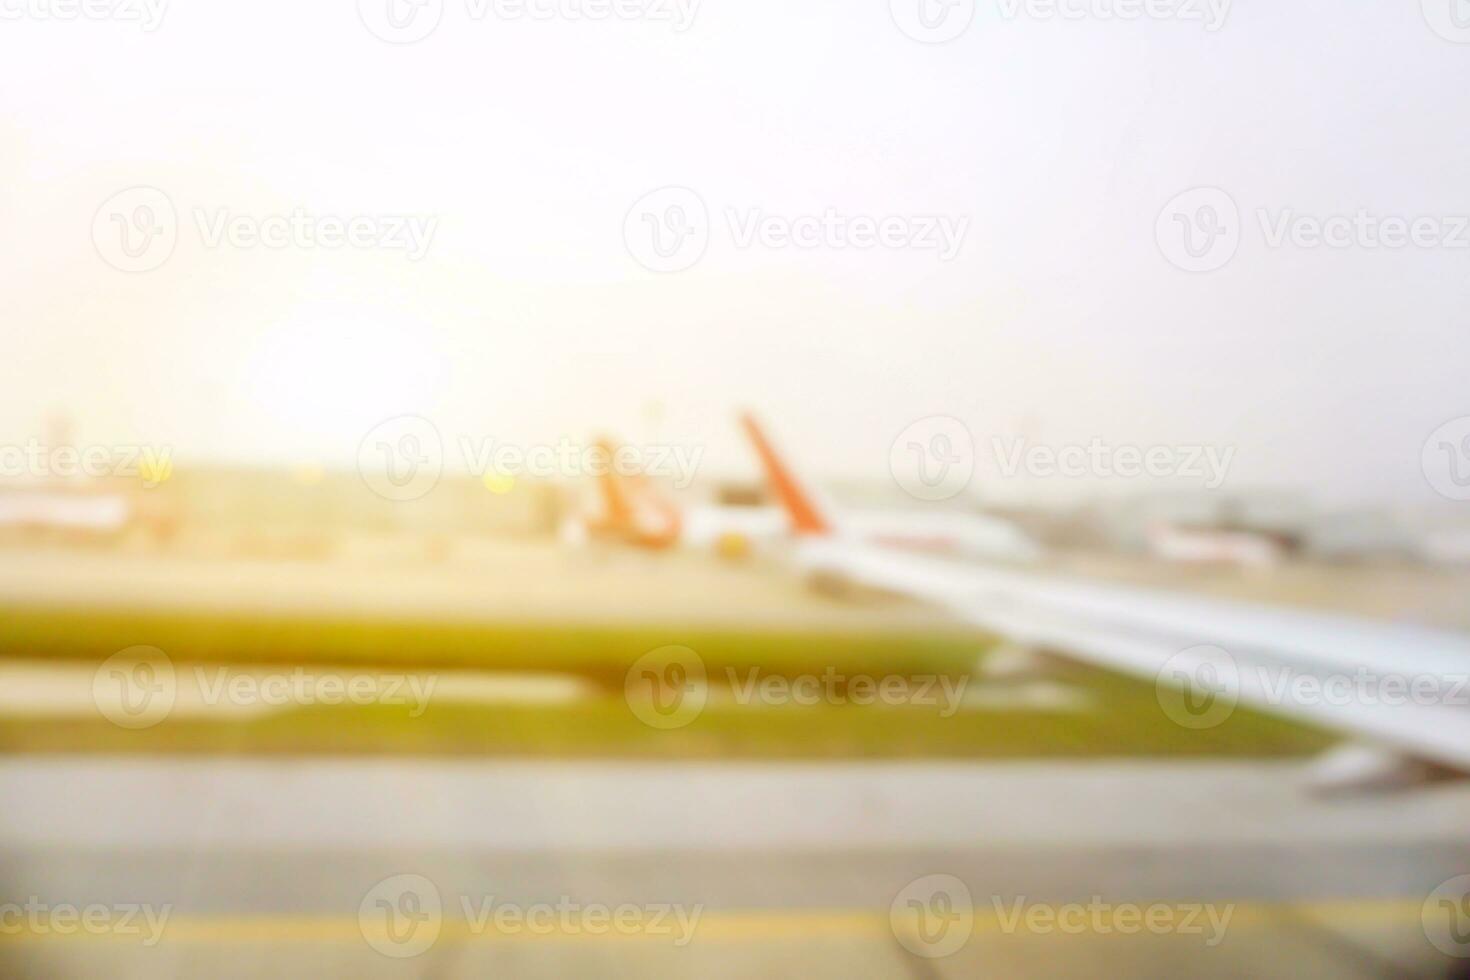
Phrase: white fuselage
(960, 535)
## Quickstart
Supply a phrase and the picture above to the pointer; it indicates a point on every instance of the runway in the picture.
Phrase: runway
(795, 869)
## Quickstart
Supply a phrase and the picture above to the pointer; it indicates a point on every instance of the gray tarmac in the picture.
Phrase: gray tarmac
(278, 867)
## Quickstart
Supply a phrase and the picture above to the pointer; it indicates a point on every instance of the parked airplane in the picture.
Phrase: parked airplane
(632, 510)
(1403, 689)
(80, 513)
(1186, 545)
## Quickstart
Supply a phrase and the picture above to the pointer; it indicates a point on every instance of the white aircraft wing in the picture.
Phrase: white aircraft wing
(1397, 685)
(1404, 686)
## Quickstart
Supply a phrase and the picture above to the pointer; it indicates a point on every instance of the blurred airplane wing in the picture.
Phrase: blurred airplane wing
(1403, 686)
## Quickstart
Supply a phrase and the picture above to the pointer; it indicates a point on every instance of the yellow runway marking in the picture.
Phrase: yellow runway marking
(718, 926)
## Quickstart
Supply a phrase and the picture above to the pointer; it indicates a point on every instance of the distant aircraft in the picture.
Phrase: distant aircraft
(961, 535)
(1344, 673)
(83, 513)
(632, 510)
(1186, 545)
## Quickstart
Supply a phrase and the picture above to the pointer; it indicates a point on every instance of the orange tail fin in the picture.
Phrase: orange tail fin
(801, 505)
(632, 508)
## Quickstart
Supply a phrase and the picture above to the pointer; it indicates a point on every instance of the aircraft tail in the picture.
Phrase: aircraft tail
(617, 508)
(631, 507)
(806, 511)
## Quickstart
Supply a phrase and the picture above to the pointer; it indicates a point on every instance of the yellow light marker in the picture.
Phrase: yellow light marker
(498, 482)
(153, 471)
(310, 475)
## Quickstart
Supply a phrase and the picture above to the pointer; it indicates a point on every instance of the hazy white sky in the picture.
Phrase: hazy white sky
(1058, 141)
